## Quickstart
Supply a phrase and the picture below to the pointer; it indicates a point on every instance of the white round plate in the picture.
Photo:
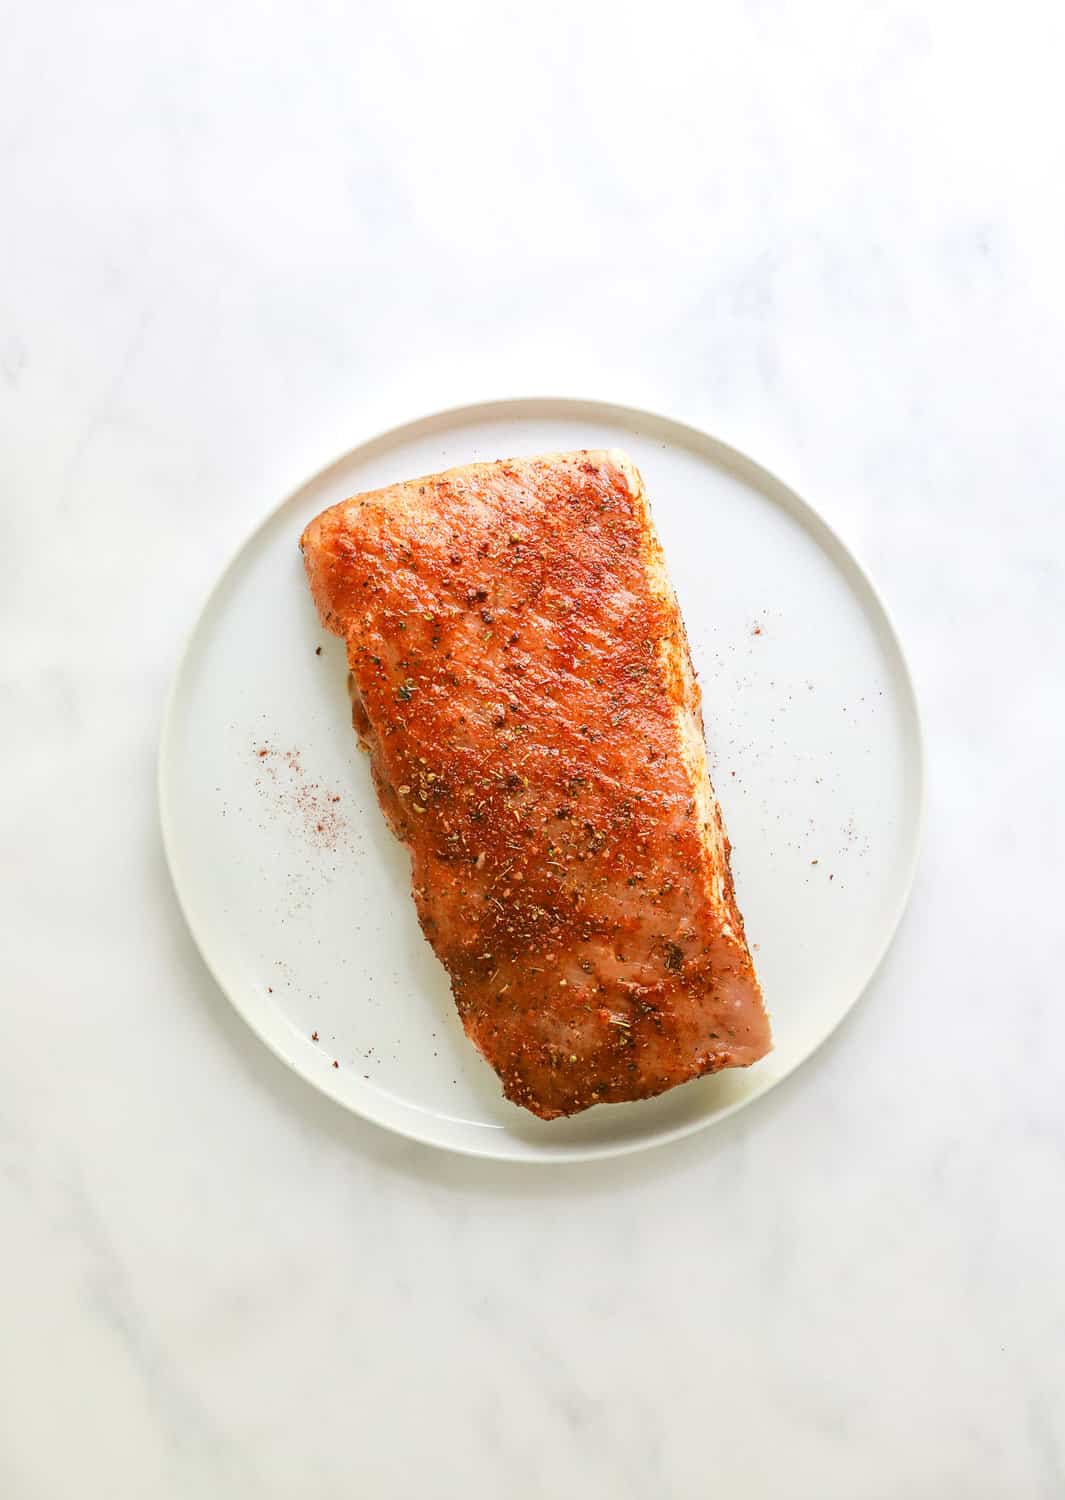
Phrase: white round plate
(298, 895)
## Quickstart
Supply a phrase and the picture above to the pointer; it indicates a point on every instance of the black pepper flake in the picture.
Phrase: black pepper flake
(674, 957)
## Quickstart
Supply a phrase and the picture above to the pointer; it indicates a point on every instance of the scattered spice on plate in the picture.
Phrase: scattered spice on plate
(314, 808)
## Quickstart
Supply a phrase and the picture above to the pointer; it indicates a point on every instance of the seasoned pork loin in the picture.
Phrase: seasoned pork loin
(521, 679)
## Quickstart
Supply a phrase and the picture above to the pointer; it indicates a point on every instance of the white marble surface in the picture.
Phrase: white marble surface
(238, 236)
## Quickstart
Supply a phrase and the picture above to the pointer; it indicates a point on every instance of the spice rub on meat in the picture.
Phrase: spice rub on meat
(521, 679)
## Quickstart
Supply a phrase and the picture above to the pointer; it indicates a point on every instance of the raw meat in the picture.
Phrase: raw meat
(521, 679)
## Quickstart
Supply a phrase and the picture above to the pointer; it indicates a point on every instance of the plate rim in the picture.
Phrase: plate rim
(741, 461)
